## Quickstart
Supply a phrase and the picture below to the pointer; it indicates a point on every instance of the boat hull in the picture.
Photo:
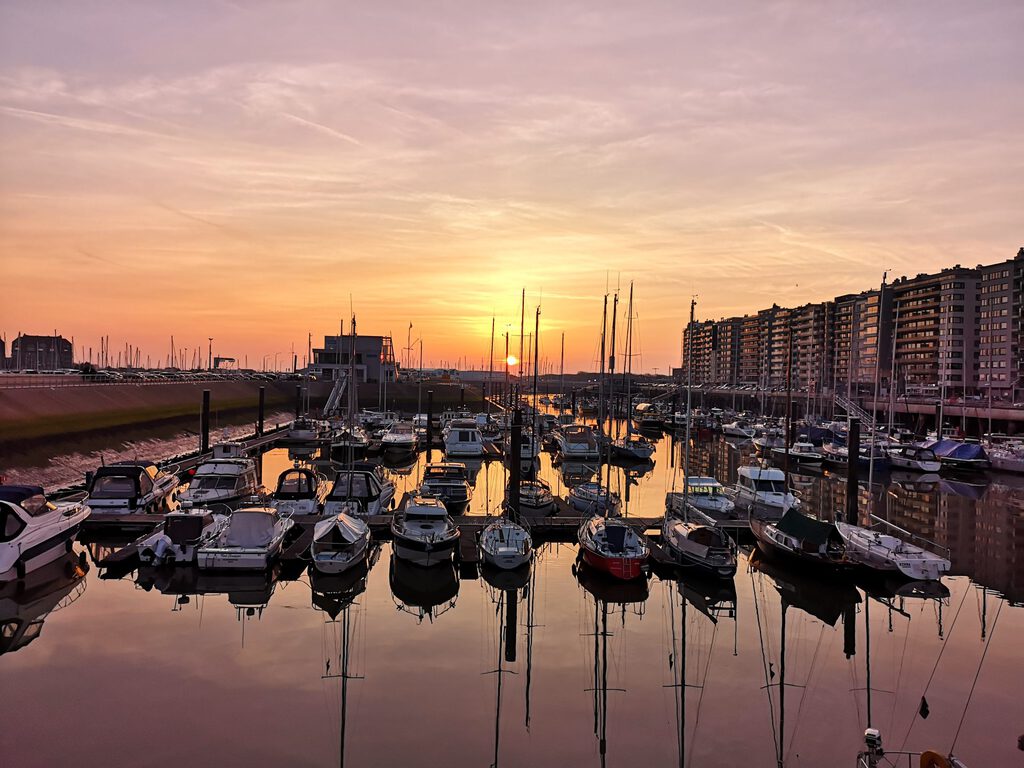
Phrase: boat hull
(620, 567)
(424, 553)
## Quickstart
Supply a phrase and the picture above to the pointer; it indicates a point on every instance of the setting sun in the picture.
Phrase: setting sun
(512, 360)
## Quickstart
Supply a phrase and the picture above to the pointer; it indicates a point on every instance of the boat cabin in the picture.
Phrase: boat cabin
(297, 484)
(128, 483)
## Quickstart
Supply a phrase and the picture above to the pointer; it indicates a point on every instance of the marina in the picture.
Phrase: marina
(265, 613)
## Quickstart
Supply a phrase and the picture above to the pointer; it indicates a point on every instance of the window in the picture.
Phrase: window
(113, 487)
(10, 524)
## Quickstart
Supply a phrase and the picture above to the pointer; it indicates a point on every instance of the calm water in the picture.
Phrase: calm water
(403, 668)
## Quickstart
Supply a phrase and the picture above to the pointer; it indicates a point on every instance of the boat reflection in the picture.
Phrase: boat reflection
(425, 593)
(248, 591)
(333, 592)
(25, 603)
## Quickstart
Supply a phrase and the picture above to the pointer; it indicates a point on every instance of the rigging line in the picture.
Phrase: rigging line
(803, 692)
(977, 674)
(764, 664)
(899, 676)
(945, 642)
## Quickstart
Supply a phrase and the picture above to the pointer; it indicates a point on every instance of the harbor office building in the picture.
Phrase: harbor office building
(959, 331)
(374, 359)
(39, 353)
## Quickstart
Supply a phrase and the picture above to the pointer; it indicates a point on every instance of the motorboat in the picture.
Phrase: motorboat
(593, 498)
(958, 454)
(768, 443)
(633, 447)
(612, 546)
(400, 438)
(462, 438)
(699, 545)
(349, 441)
(377, 420)
(131, 488)
(576, 442)
(648, 418)
(423, 531)
(179, 536)
(449, 482)
(764, 487)
(799, 452)
(227, 478)
(300, 491)
(339, 543)
(915, 458)
(1006, 458)
(535, 496)
(738, 429)
(364, 484)
(838, 455)
(251, 540)
(529, 446)
(33, 530)
(883, 552)
(800, 538)
(704, 494)
(505, 544)
(307, 430)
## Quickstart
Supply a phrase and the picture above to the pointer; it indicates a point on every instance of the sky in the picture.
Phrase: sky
(256, 171)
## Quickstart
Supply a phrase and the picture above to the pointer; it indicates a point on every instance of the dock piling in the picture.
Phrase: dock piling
(298, 401)
(852, 470)
(430, 423)
(261, 409)
(204, 423)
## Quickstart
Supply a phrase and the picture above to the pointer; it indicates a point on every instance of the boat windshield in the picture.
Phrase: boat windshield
(214, 483)
(769, 486)
(705, 490)
(430, 517)
(113, 487)
(37, 505)
(350, 485)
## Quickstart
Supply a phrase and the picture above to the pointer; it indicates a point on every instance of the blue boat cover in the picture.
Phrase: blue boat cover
(955, 449)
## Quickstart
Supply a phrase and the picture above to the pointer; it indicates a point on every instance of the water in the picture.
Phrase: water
(248, 672)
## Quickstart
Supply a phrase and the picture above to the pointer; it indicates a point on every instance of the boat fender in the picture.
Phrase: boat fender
(158, 551)
(931, 759)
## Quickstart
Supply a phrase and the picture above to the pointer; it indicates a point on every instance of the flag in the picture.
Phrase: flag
(923, 710)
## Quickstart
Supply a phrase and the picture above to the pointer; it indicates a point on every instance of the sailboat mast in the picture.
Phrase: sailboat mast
(561, 378)
(892, 374)
(490, 371)
(600, 378)
(522, 337)
(874, 401)
(536, 359)
(611, 402)
(689, 395)
(628, 371)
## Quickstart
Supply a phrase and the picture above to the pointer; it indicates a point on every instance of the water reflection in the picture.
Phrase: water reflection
(25, 604)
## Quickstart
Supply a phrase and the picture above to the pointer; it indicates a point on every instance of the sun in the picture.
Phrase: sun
(511, 359)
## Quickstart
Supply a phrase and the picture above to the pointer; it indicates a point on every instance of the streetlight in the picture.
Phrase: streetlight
(209, 364)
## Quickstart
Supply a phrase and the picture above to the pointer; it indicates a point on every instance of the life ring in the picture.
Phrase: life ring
(931, 759)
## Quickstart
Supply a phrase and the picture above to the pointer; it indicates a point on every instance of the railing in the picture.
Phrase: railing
(59, 381)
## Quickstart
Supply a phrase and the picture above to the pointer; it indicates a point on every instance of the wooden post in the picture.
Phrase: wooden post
(204, 423)
(261, 411)
(430, 423)
(852, 471)
(298, 401)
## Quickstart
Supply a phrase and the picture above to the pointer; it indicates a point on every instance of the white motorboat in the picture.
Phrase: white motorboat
(594, 499)
(178, 538)
(424, 532)
(224, 479)
(765, 487)
(449, 482)
(576, 442)
(915, 458)
(339, 543)
(306, 430)
(699, 545)
(34, 531)
(300, 491)
(131, 488)
(400, 438)
(801, 453)
(462, 438)
(535, 496)
(529, 447)
(506, 544)
(704, 494)
(738, 429)
(365, 485)
(889, 553)
(1007, 458)
(251, 540)
(348, 441)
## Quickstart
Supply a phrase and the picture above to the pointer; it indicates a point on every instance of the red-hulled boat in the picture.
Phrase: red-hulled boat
(612, 546)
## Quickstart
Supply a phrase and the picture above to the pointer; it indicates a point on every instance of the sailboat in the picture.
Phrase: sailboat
(505, 543)
(607, 543)
(631, 446)
(690, 542)
(349, 441)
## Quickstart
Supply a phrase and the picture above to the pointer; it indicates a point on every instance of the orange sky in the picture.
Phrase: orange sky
(247, 171)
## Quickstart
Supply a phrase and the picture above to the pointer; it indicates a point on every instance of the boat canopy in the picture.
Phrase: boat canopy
(250, 528)
(295, 484)
(806, 529)
(762, 473)
(339, 530)
(182, 528)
